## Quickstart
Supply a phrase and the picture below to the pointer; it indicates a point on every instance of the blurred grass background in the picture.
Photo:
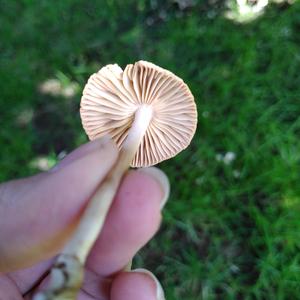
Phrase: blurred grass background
(231, 228)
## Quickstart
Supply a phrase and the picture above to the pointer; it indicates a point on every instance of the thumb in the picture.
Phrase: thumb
(38, 213)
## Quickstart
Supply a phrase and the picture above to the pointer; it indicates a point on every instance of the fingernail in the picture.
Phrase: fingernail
(160, 295)
(163, 181)
(82, 151)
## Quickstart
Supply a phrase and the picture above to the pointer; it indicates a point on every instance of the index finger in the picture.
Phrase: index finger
(37, 214)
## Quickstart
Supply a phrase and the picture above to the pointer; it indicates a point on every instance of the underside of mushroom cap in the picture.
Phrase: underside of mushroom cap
(112, 96)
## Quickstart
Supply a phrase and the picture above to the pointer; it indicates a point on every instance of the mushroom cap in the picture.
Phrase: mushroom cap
(112, 96)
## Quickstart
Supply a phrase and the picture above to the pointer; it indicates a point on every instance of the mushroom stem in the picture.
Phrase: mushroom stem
(67, 273)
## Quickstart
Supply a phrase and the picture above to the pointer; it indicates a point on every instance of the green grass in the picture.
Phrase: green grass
(230, 231)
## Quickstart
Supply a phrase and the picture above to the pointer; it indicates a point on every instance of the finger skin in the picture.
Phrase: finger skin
(8, 289)
(124, 286)
(26, 279)
(132, 221)
(82, 151)
(37, 214)
(133, 286)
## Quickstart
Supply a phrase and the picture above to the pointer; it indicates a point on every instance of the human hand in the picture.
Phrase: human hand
(38, 214)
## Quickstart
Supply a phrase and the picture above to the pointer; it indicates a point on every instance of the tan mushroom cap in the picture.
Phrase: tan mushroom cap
(112, 96)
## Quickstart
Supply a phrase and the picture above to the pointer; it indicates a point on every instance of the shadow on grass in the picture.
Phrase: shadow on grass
(56, 123)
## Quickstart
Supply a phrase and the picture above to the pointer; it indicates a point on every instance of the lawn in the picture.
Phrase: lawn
(231, 228)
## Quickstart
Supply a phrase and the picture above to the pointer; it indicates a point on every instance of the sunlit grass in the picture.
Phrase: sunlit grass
(231, 226)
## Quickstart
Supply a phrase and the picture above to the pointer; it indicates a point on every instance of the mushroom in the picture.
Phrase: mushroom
(151, 115)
